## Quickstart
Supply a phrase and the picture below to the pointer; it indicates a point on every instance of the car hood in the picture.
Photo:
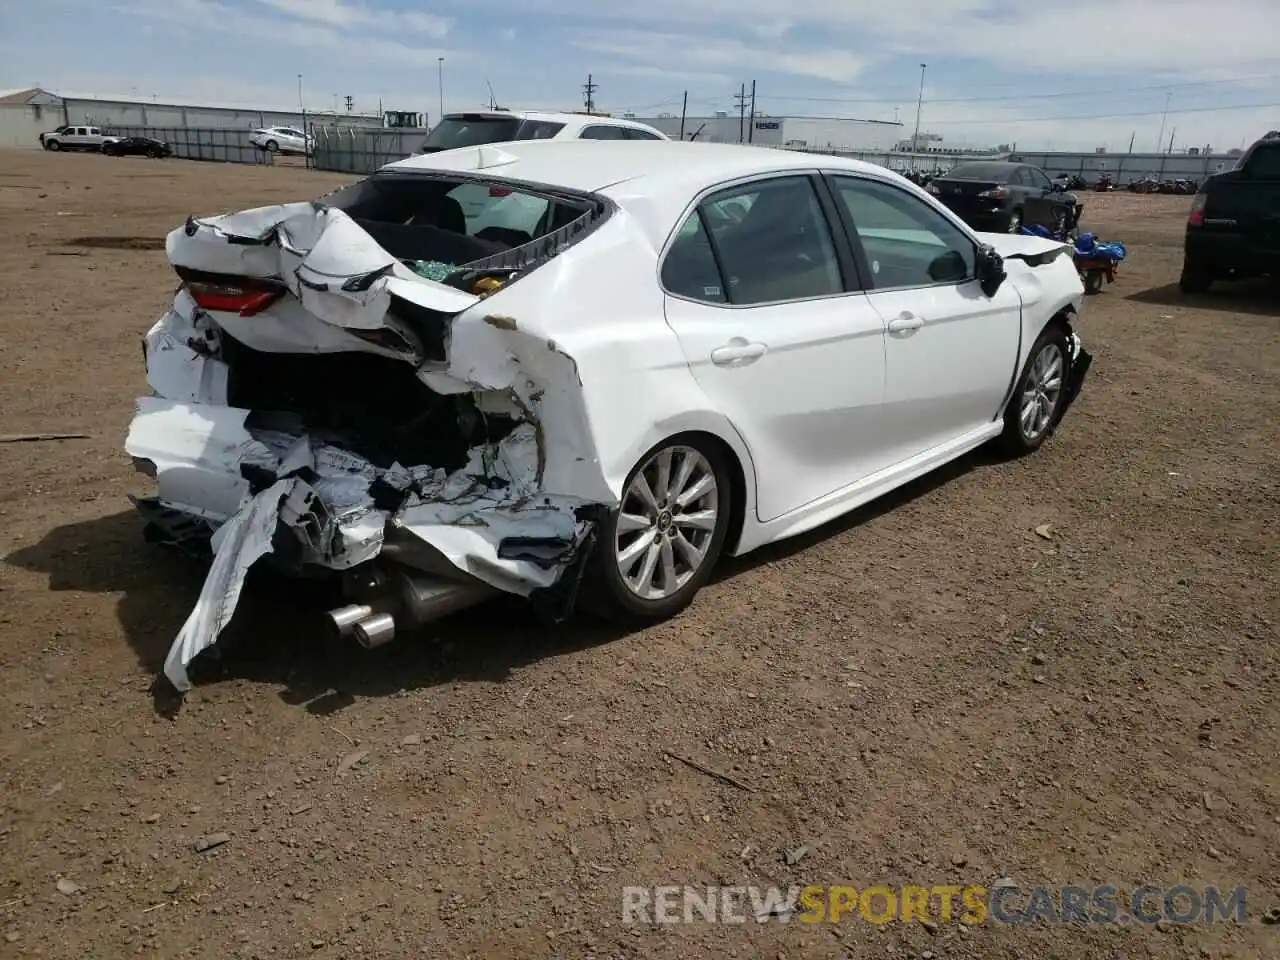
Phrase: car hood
(1034, 250)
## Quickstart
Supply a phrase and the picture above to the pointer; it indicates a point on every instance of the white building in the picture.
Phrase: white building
(805, 133)
(34, 109)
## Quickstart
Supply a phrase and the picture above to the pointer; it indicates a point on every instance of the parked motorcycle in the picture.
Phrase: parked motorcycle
(1096, 261)
(1148, 184)
(1105, 182)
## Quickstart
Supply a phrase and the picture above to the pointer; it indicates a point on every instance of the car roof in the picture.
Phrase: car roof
(593, 165)
(568, 119)
(655, 179)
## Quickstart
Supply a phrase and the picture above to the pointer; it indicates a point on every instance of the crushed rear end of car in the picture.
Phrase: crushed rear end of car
(320, 400)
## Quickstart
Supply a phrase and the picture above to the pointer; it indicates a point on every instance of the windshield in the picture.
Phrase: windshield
(998, 172)
(470, 131)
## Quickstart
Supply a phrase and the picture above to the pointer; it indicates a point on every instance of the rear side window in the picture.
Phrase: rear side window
(603, 132)
(470, 131)
(770, 240)
(539, 130)
(634, 133)
(1264, 164)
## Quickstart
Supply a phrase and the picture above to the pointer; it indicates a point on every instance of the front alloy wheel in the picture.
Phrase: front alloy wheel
(1041, 392)
(660, 547)
(1035, 407)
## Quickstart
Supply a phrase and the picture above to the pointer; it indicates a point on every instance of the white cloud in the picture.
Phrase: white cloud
(339, 13)
(717, 55)
(318, 34)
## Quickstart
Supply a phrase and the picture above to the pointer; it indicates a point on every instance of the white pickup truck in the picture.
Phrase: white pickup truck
(75, 138)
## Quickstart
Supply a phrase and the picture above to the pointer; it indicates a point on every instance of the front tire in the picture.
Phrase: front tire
(1196, 278)
(661, 545)
(272, 146)
(53, 145)
(1037, 401)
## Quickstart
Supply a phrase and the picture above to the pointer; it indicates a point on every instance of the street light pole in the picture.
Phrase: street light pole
(306, 155)
(915, 139)
(440, 64)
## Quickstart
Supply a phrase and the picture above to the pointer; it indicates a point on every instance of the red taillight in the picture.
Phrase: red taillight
(233, 299)
(500, 191)
(1196, 218)
(996, 194)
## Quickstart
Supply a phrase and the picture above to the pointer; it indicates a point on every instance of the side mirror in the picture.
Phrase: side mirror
(948, 267)
(990, 269)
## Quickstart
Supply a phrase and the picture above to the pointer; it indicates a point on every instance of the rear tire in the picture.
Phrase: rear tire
(1015, 221)
(1037, 401)
(1093, 281)
(1196, 278)
(661, 545)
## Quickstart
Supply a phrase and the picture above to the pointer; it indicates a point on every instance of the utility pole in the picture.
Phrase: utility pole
(1160, 139)
(1171, 136)
(589, 88)
(440, 67)
(684, 109)
(1132, 137)
(742, 110)
(306, 155)
(751, 124)
(915, 139)
(350, 102)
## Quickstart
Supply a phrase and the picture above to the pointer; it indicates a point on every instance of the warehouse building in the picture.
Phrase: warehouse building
(34, 109)
(802, 133)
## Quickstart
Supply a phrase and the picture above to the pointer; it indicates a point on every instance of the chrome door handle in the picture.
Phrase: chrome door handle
(738, 353)
(906, 323)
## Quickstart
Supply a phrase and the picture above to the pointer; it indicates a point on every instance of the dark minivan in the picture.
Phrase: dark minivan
(1001, 196)
(1233, 231)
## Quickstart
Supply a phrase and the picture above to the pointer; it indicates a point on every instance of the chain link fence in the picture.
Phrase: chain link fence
(221, 145)
(363, 150)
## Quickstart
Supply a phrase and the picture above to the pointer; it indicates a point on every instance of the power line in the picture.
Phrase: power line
(1001, 121)
(1029, 96)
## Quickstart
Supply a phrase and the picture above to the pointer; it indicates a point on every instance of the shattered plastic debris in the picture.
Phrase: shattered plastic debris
(433, 269)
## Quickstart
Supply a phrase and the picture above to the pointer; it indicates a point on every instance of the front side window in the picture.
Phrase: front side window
(765, 242)
(907, 242)
(1038, 179)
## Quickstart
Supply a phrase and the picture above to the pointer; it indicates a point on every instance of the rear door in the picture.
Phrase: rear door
(950, 350)
(772, 321)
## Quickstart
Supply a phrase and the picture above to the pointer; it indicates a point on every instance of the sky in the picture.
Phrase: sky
(1064, 76)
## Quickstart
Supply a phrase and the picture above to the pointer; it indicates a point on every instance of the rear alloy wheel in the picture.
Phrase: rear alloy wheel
(1034, 408)
(661, 545)
(1195, 278)
(1015, 221)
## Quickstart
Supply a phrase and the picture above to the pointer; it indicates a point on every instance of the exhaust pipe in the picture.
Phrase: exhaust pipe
(344, 619)
(401, 600)
(376, 630)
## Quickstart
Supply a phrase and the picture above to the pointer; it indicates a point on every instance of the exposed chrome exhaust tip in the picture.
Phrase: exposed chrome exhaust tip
(345, 618)
(375, 631)
(401, 600)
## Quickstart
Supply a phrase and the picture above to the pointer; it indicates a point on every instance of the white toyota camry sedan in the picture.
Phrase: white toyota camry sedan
(632, 359)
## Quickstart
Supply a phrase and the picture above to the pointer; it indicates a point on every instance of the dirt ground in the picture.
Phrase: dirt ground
(927, 692)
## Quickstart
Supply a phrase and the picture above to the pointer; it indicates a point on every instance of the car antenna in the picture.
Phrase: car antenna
(694, 135)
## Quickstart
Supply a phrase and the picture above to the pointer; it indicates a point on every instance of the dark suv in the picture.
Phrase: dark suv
(1233, 231)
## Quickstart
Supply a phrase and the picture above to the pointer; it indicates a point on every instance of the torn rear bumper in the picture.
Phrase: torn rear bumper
(450, 539)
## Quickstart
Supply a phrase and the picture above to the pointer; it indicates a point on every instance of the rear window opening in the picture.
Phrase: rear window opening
(374, 406)
(458, 130)
(445, 228)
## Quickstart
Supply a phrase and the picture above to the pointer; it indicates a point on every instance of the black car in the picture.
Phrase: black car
(136, 147)
(999, 195)
(1233, 231)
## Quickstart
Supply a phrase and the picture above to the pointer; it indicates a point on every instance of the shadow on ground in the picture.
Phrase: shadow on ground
(278, 634)
(1258, 297)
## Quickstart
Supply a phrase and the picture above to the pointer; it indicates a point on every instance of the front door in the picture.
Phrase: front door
(950, 351)
(779, 337)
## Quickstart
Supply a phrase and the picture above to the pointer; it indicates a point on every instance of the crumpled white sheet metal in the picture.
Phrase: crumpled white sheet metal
(237, 544)
(198, 444)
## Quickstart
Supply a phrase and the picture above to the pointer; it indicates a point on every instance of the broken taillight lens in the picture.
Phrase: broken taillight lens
(247, 296)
